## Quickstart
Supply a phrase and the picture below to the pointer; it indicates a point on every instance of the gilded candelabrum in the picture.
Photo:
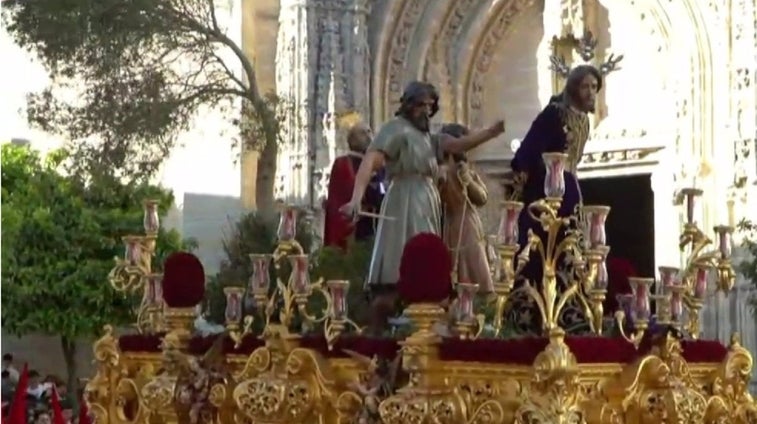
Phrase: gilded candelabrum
(283, 302)
(700, 262)
(133, 272)
(579, 242)
(680, 292)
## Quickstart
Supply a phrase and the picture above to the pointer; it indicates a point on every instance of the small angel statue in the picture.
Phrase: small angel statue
(374, 385)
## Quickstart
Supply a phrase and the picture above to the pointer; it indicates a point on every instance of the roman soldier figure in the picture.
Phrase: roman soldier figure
(339, 228)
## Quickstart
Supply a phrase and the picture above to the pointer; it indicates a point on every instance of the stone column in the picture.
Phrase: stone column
(293, 88)
(342, 79)
(323, 69)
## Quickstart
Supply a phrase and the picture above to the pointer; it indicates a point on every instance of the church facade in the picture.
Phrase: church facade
(680, 111)
(681, 107)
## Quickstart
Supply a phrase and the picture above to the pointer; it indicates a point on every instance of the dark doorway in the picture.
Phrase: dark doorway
(630, 225)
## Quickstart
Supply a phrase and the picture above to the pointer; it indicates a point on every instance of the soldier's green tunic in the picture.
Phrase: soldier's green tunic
(412, 199)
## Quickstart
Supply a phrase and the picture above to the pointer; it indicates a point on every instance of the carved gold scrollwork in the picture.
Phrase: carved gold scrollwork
(218, 395)
(257, 363)
(416, 407)
(731, 401)
(297, 389)
(158, 397)
(127, 397)
(99, 392)
(658, 387)
(554, 396)
(349, 406)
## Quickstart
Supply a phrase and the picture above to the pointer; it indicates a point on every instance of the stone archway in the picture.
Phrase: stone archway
(453, 42)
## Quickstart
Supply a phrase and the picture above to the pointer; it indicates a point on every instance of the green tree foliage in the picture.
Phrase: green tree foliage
(748, 267)
(60, 235)
(140, 70)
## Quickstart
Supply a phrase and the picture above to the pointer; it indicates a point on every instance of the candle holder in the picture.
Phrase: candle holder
(701, 262)
(283, 302)
(295, 292)
(677, 293)
(594, 220)
(233, 315)
(287, 230)
(133, 273)
(663, 314)
(506, 246)
(338, 320)
(233, 311)
(466, 320)
(260, 280)
(554, 179)
(151, 219)
(595, 289)
(150, 315)
(639, 305)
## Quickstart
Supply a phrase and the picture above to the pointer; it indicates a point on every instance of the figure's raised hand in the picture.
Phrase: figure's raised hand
(497, 128)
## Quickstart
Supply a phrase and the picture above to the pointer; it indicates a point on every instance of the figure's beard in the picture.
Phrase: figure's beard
(422, 122)
(590, 106)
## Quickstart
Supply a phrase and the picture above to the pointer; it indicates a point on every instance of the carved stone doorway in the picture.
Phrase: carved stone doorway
(630, 225)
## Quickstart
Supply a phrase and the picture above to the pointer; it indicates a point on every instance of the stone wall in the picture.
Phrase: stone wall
(44, 354)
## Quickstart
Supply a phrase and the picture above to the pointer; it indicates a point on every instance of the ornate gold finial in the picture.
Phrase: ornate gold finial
(348, 120)
(586, 48)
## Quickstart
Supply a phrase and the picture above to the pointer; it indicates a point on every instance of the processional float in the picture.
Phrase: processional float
(285, 362)
(295, 356)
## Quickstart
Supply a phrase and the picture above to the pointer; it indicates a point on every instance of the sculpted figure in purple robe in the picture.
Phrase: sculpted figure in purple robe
(563, 126)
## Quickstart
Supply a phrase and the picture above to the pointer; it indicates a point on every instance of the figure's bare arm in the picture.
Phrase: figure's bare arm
(372, 162)
(477, 191)
(472, 140)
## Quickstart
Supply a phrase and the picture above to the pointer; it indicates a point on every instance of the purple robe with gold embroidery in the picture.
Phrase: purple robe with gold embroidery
(548, 134)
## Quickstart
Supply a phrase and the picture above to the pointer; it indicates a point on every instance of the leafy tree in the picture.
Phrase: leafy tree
(141, 71)
(60, 235)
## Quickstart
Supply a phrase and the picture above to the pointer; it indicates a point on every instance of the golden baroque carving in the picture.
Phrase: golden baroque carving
(401, 37)
(484, 54)
(285, 383)
(731, 401)
(658, 387)
(282, 383)
(428, 397)
(554, 395)
(100, 390)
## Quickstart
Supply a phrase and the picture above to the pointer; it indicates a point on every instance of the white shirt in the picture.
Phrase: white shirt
(12, 373)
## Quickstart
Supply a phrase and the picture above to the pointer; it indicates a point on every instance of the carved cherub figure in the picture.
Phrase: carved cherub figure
(196, 378)
(375, 384)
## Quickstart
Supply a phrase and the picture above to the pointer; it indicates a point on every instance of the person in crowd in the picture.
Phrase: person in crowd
(8, 366)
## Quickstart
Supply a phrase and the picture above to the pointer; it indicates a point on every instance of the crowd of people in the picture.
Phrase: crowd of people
(28, 398)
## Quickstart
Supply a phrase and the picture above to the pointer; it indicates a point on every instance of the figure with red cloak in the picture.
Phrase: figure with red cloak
(337, 227)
